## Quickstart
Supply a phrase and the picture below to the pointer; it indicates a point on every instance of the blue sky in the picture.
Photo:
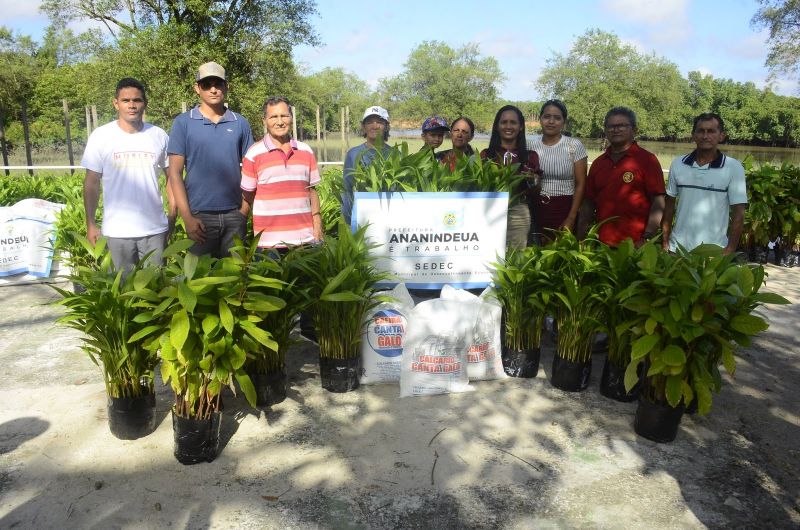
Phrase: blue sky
(373, 38)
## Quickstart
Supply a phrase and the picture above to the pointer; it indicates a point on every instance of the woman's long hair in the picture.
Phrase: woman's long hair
(494, 140)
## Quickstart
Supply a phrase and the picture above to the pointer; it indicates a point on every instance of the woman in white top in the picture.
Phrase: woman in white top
(563, 160)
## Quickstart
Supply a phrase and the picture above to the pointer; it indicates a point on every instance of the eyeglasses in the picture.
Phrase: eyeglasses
(617, 126)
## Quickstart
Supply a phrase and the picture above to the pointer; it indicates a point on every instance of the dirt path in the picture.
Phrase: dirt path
(512, 454)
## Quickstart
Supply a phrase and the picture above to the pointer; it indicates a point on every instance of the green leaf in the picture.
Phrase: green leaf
(346, 296)
(674, 390)
(144, 316)
(643, 345)
(675, 310)
(656, 367)
(205, 363)
(167, 352)
(225, 316)
(745, 280)
(210, 323)
(770, 298)
(632, 375)
(264, 303)
(143, 333)
(212, 280)
(142, 277)
(697, 313)
(167, 372)
(337, 280)
(177, 248)
(179, 329)
(673, 355)
(748, 324)
(729, 361)
(189, 265)
(238, 357)
(703, 396)
(186, 297)
(247, 387)
(649, 257)
(263, 337)
(650, 326)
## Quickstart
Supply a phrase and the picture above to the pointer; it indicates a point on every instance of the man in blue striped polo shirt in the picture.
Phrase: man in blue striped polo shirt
(709, 188)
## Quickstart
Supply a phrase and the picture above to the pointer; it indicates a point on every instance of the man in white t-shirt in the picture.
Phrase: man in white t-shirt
(126, 156)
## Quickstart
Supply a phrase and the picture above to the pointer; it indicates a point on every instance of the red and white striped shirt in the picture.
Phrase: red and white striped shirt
(282, 205)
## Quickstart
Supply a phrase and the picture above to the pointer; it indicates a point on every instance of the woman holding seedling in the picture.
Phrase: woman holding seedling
(462, 130)
(564, 164)
(507, 146)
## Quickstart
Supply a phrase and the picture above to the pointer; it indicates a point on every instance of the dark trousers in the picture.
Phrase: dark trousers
(221, 228)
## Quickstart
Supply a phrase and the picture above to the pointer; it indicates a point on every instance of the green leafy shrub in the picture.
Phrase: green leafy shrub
(688, 311)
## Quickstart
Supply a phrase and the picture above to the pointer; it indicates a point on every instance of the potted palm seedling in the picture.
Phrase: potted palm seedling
(521, 285)
(689, 310)
(342, 279)
(579, 278)
(282, 279)
(622, 270)
(107, 311)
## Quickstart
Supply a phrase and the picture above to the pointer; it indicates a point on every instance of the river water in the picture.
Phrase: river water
(664, 150)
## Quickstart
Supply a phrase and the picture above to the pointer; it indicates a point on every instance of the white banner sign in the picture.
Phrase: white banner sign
(27, 237)
(428, 240)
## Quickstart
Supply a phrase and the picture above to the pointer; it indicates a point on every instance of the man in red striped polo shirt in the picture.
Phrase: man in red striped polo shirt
(278, 178)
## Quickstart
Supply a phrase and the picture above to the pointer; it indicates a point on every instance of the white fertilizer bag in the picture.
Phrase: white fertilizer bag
(484, 359)
(382, 342)
(435, 348)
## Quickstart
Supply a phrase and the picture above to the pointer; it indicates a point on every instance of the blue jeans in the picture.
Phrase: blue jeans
(221, 228)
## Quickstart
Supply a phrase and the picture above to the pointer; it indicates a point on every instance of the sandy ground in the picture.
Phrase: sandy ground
(513, 454)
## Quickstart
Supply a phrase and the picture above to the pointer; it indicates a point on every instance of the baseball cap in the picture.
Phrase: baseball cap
(376, 111)
(211, 69)
(435, 123)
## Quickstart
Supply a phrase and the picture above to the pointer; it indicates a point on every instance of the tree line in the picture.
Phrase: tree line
(162, 43)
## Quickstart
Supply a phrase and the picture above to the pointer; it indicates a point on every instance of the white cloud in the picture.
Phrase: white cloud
(12, 9)
(750, 47)
(650, 12)
(704, 71)
(504, 46)
(784, 87)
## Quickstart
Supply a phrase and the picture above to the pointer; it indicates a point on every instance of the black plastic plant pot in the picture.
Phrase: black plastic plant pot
(570, 376)
(521, 363)
(270, 388)
(339, 375)
(196, 440)
(612, 384)
(657, 421)
(133, 417)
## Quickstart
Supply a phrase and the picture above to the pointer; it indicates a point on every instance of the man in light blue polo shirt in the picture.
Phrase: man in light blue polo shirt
(210, 142)
(709, 188)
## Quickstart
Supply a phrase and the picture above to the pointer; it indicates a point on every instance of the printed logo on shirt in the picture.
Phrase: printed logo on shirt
(229, 130)
(627, 177)
(129, 159)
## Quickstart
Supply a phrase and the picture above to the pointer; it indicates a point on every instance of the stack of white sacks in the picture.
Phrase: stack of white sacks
(435, 347)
